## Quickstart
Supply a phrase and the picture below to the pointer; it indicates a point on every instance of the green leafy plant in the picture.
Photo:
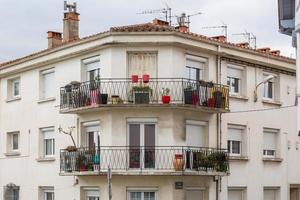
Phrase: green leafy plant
(165, 91)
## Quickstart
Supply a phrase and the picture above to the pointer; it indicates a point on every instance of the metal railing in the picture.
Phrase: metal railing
(125, 91)
(131, 159)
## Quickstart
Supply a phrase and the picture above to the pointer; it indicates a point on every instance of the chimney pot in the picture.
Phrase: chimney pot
(183, 28)
(275, 52)
(54, 39)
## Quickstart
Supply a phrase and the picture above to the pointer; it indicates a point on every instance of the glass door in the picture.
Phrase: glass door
(141, 145)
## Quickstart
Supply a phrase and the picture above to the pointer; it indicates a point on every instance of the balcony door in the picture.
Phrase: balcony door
(142, 145)
(92, 135)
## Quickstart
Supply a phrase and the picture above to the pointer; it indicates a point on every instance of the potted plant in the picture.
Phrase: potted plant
(115, 99)
(218, 96)
(178, 162)
(71, 148)
(90, 166)
(103, 98)
(146, 78)
(165, 95)
(190, 95)
(141, 94)
(81, 163)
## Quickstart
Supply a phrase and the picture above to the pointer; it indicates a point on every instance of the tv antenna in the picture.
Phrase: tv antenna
(250, 37)
(166, 11)
(70, 7)
(224, 28)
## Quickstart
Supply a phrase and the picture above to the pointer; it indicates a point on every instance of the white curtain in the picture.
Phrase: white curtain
(142, 63)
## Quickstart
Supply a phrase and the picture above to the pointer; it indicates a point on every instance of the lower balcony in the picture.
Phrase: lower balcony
(182, 93)
(164, 160)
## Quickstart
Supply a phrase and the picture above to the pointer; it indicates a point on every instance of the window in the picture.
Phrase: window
(236, 193)
(235, 139)
(195, 66)
(48, 141)
(13, 88)
(47, 193)
(270, 142)
(195, 193)
(270, 87)
(13, 142)
(234, 80)
(47, 84)
(92, 68)
(140, 63)
(11, 192)
(196, 133)
(91, 193)
(142, 195)
(142, 142)
(92, 134)
(271, 193)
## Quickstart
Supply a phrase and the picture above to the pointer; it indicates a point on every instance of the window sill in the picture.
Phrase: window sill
(13, 99)
(238, 158)
(244, 98)
(46, 100)
(266, 159)
(17, 153)
(272, 102)
(45, 159)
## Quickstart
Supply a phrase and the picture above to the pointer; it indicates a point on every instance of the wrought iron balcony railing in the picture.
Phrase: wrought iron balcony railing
(140, 159)
(155, 91)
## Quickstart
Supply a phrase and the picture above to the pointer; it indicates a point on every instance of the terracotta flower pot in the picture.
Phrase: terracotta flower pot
(146, 78)
(211, 102)
(178, 162)
(166, 99)
(134, 78)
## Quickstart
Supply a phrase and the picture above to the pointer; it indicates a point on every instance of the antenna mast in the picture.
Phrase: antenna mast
(223, 27)
(250, 37)
(70, 7)
(166, 11)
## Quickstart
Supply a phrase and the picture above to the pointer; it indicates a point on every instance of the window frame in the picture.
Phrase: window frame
(242, 189)
(241, 80)
(45, 191)
(242, 142)
(90, 60)
(11, 88)
(90, 189)
(142, 190)
(275, 82)
(274, 152)
(10, 139)
(43, 92)
(43, 131)
(275, 189)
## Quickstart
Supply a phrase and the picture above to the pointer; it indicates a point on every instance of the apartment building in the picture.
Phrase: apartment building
(154, 111)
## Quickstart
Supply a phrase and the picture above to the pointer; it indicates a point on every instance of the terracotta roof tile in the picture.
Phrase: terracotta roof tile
(149, 27)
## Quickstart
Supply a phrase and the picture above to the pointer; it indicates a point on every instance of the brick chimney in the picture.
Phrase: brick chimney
(220, 38)
(160, 22)
(264, 50)
(243, 44)
(275, 52)
(54, 39)
(71, 23)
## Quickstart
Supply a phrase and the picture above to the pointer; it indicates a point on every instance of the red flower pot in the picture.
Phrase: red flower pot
(134, 78)
(195, 99)
(166, 99)
(211, 102)
(146, 78)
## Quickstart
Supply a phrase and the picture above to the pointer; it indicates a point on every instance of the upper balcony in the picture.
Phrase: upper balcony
(111, 93)
(144, 160)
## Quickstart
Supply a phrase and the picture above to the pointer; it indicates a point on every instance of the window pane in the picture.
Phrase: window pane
(48, 85)
(235, 194)
(236, 147)
(142, 63)
(194, 195)
(135, 196)
(49, 147)
(15, 141)
(16, 89)
(49, 195)
(149, 195)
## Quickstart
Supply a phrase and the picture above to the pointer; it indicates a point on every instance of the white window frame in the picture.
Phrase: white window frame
(275, 189)
(142, 122)
(241, 80)
(274, 82)
(241, 189)
(91, 126)
(44, 138)
(242, 129)
(276, 132)
(86, 62)
(11, 88)
(10, 140)
(200, 59)
(142, 190)
(43, 73)
(192, 188)
(86, 190)
(48, 191)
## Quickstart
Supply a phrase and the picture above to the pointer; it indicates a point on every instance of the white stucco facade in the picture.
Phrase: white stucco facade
(251, 172)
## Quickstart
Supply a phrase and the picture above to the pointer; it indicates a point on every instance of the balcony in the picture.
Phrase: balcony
(162, 160)
(182, 93)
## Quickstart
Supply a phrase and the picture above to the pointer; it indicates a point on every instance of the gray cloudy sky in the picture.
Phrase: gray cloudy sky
(23, 24)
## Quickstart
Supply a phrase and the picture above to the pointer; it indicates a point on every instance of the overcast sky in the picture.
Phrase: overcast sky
(23, 24)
